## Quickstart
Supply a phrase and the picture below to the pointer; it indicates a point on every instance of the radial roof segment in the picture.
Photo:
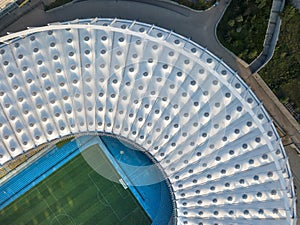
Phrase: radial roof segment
(188, 110)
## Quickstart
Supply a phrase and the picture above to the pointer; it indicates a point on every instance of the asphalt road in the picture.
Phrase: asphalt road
(199, 26)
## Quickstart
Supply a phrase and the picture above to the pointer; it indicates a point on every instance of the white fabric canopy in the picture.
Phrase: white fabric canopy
(184, 106)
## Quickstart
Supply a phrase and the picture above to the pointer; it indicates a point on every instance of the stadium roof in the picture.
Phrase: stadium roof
(184, 106)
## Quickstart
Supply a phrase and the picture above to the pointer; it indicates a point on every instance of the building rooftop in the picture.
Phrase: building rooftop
(194, 115)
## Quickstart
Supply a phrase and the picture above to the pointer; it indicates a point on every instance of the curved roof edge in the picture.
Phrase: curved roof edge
(134, 28)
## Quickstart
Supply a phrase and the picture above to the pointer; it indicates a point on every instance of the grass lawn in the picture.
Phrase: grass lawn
(243, 27)
(197, 4)
(76, 194)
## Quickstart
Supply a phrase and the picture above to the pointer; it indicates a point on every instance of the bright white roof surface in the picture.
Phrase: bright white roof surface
(192, 113)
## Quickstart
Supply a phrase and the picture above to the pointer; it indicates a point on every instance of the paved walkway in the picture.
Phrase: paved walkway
(271, 37)
(294, 160)
(296, 3)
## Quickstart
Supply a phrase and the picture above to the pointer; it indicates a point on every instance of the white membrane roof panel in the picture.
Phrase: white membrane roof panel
(181, 104)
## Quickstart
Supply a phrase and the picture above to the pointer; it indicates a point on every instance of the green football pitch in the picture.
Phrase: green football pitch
(77, 195)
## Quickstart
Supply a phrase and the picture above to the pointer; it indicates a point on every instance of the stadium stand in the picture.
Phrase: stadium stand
(191, 113)
(36, 172)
